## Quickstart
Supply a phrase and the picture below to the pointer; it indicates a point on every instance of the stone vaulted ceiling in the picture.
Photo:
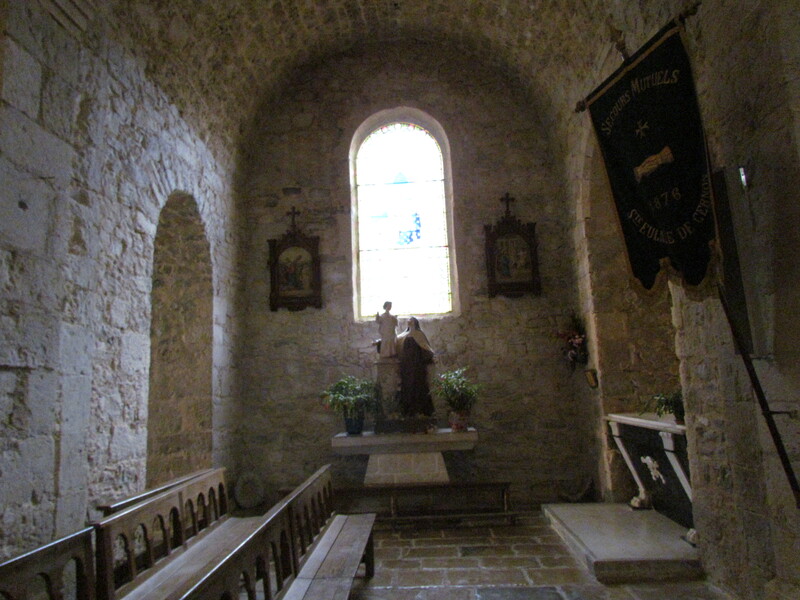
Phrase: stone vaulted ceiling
(224, 57)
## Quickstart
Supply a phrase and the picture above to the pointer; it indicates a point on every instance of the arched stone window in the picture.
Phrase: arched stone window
(402, 216)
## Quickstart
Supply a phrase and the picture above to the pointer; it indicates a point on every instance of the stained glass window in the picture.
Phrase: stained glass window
(403, 251)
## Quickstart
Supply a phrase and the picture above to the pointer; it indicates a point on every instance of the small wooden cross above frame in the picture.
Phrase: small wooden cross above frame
(293, 214)
(507, 200)
(512, 263)
(295, 273)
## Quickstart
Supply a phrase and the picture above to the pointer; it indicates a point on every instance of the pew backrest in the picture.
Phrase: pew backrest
(134, 540)
(114, 507)
(310, 506)
(49, 567)
(273, 555)
(264, 559)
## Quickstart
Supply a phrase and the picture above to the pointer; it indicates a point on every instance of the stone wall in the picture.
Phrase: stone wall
(179, 434)
(97, 130)
(630, 333)
(531, 420)
(744, 509)
(745, 68)
(89, 151)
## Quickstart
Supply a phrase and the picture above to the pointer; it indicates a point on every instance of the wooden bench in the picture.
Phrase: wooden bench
(137, 542)
(183, 544)
(59, 567)
(301, 551)
(332, 566)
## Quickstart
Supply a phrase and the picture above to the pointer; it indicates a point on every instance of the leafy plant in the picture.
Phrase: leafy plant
(668, 404)
(458, 392)
(350, 396)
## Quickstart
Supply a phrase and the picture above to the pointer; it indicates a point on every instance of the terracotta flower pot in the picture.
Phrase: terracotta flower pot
(459, 420)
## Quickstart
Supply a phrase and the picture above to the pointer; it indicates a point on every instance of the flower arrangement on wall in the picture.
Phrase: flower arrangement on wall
(574, 349)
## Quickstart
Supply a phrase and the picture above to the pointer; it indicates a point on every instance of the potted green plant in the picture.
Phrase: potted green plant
(669, 404)
(352, 397)
(459, 394)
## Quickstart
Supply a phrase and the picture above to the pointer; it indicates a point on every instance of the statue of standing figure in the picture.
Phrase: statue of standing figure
(415, 355)
(387, 327)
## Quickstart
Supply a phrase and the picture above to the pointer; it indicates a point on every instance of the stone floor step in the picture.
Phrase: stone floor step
(621, 545)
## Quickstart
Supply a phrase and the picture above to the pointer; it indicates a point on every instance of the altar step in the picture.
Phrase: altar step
(416, 503)
(622, 545)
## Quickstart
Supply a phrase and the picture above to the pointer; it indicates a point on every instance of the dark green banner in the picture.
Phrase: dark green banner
(648, 125)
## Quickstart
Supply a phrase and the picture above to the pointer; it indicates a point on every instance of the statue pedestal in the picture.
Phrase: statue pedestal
(422, 467)
(405, 457)
(388, 380)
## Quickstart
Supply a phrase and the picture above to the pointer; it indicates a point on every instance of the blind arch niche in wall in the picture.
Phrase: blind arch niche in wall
(402, 223)
(179, 417)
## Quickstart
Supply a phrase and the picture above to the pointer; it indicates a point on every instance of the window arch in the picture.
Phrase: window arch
(402, 224)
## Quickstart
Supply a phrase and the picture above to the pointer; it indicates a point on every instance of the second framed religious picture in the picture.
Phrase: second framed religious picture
(295, 281)
(512, 263)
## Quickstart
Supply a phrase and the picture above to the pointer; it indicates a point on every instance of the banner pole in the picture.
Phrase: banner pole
(619, 43)
(689, 11)
(762, 401)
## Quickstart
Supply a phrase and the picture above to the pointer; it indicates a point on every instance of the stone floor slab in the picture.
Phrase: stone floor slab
(553, 574)
(519, 593)
(622, 545)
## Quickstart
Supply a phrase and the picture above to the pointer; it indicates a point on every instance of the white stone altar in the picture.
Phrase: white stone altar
(405, 457)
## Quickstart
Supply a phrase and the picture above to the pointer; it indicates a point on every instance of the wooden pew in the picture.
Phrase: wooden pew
(183, 544)
(333, 563)
(47, 566)
(113, 507)
(329, 547)
(302, 551)
(137, 542)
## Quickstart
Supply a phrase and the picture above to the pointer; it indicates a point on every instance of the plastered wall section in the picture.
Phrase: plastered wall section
(89, 152)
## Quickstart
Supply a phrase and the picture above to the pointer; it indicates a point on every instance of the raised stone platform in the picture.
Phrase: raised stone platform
(621, 545)
(419, 467)
(441, 440)
(405, 457)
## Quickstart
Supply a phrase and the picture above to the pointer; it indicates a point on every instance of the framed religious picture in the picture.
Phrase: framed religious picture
(512, 263)
(294, 270)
